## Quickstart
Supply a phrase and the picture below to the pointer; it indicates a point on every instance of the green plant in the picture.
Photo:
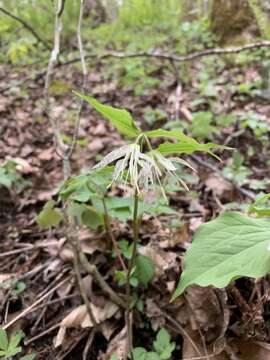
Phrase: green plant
(142, 167)
(237, 171)
(10, 347)
(10, 178)
(162, 348)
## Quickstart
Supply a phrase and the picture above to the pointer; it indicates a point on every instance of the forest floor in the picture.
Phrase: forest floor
(224, 324)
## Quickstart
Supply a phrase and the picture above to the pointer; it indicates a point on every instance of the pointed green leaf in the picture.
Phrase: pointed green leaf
(229, 247)
(15, 339)
(187, 144)
(145, 269)
(3, 339)
(121, 119)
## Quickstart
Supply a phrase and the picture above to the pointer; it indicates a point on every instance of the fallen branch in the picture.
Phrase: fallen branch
(92, 270)
(249, 194)
(27, 26)
(149, 54)
(177, 58)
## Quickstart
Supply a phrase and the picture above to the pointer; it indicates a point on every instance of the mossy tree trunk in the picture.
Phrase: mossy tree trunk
(233, 21)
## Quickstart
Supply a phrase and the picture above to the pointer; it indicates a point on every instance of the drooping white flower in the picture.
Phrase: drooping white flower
(142, 170)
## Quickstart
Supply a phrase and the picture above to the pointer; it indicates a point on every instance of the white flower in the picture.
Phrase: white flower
(142, 169)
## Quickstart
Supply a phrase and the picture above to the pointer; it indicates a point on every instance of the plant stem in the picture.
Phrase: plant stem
(130, 267)
(111, 235)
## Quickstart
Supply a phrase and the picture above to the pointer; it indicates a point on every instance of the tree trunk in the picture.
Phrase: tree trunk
(233, 21)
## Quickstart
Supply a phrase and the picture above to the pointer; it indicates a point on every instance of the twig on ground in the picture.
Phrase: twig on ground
(76, 264)
(92, 270)
(55, 301)
(40, 316)
(249, 194)
(88, 344)
(176, 58)
(161, 56)
(179, 327)
(31, 308)
(27, 26)
(43, 333)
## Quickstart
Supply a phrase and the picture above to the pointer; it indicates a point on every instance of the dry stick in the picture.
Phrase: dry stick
(213, 168)
(55, 301)
(66, 158)
(60, 146)
(177, 58)
(76, 264)
(130, 267)
(182, 331)
(40, 316)
(85, 73)
(111, 235)
(88, 344)
(171, 57)
(43, 333)
(66, 153)
(92, 270)
(27, 26)
(31, 308)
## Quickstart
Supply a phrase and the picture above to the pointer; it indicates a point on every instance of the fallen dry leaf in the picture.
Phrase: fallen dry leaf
(79, 317)
(117, 346)
(220, 186)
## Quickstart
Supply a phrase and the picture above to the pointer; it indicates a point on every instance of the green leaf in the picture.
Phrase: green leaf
(163, 345)
(229, 247)
(3, 339)
(151, 355)
(261, 206)
(145, 269)
(187, 145)
(19, 287)
(15, 339)
(49, 216)
(92, 218)
(114, 357)
(29, 357)
(13, 351)
(201, 126)
(139, 353)
(121, 119)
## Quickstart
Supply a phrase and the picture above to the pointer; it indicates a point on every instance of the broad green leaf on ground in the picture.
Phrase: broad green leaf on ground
(187, 145)
(145, 269)
(229, 247)
(49, 216)
(91, 217)
(121, 119)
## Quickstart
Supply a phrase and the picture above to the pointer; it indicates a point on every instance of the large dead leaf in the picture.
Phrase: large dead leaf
(79, 317)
